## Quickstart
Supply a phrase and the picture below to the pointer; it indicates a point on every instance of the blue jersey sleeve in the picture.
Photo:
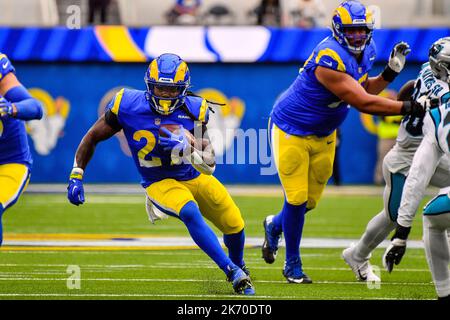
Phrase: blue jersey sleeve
(5, 66)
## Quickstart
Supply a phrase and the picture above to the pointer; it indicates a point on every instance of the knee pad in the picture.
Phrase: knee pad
(311, 204)
(290, 160)
(321, 173)
(232, 222)
(296, 197)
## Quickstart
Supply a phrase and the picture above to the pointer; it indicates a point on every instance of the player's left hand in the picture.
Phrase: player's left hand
(177, 141)
(398, 55)
(395, 251)
(6, 108)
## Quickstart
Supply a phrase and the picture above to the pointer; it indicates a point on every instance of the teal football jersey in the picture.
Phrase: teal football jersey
(14, 146)
(307, 107)
(141, 124)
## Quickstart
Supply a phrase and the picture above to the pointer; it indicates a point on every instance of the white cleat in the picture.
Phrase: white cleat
(362, 270)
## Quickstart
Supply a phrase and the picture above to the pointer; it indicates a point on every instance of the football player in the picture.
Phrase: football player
(176, 176)
(434, 147)
(304, 119)
(16, 106)
(433, 82)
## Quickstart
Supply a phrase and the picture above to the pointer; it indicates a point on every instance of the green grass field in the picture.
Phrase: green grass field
(41, 273)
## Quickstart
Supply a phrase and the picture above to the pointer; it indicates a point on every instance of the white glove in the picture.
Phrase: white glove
(398, 55)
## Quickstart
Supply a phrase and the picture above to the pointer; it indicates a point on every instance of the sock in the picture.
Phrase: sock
(235, 244)
(203, 236)
(1, 227)
(293, 219)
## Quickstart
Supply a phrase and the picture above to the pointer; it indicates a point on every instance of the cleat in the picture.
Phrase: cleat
(293, 272)
(246, 270)
(241, 281)
(362, 269)
(271, 241)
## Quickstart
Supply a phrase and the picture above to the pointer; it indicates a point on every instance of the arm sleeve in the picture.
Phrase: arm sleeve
(112, 121)
(27, 107)
(422, 169)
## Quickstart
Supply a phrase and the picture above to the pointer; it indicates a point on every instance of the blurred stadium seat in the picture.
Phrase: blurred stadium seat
(28, 13)
(139, 13)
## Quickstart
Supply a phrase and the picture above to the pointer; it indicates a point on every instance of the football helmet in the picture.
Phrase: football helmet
(352, 15)
(167, 79)
(439, 57)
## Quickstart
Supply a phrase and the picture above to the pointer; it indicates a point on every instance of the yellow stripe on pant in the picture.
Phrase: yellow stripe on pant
(14, 178)
(304, 164)
(212, 198)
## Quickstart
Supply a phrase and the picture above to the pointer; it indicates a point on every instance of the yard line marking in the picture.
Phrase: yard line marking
(211, 280)
(175, 265)
(43, 241)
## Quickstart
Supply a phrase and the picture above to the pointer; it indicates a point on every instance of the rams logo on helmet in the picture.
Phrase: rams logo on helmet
(167, 79)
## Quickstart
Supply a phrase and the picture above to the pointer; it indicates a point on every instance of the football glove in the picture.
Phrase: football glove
(398, 55)
(414, 108)
(173, 141)
(397, 60)
(7, 109)
(75, 190)
(395, 251)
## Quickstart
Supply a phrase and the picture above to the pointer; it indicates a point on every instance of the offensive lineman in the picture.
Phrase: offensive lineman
(433, 81)
(304, 120)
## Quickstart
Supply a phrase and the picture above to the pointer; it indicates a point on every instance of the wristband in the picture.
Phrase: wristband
(77, 173)
(401, 233)
(388, 74)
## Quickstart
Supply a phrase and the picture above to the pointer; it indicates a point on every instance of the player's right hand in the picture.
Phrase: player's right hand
(397, 248)
(75, 191)
(414, 108)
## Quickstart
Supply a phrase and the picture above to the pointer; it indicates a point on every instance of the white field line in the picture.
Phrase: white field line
(202, 296)
(208, 280)
(188, 242)
(175, 265)
(235, 190)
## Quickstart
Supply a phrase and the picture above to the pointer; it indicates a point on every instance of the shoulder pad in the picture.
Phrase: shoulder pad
(331, 55)
(5, 66)
(198, 107)
(114, 105)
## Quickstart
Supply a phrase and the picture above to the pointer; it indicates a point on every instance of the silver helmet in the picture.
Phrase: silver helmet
(439, 56)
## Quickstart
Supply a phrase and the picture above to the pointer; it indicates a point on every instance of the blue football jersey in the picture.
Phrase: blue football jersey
(13, 136)
(307, 107)
(141, 124)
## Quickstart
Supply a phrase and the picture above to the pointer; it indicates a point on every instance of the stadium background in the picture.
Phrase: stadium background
(72, 71)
